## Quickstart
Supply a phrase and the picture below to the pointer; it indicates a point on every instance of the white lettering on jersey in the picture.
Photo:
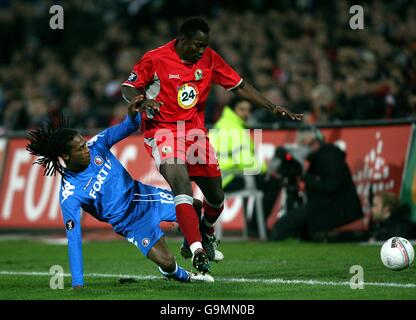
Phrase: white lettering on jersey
(101, 176)
(131, 240)
(94, 139)
(66, 190)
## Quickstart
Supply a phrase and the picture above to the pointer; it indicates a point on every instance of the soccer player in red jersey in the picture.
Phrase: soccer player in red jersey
(176, 79)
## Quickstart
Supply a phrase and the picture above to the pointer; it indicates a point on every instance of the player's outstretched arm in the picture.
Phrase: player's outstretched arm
(70, 208)
(137, 102)
(247, 91)
(118, 132)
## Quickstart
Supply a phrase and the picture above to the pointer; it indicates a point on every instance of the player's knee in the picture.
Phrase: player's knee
(180, 185)
(178, 180)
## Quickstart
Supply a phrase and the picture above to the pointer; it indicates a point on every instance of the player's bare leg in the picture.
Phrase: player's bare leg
(176, 175)
(161, 255)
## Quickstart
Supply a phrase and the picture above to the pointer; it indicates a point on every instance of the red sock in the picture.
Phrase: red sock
(212, 214)
(188, 222)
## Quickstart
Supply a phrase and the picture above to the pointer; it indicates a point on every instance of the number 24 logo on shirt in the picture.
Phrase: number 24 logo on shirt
(188, 96)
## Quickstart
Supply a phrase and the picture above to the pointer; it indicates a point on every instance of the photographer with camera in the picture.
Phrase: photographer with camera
(331, 196)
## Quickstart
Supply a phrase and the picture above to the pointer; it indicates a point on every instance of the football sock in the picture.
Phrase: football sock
(188, 220)
(195, 246)
(180, 274)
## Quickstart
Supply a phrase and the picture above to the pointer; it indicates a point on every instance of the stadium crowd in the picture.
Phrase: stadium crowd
(301, 54)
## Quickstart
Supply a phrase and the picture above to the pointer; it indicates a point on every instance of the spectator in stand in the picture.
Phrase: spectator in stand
(370, 73)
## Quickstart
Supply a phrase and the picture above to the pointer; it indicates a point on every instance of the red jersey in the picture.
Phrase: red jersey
(182, 87)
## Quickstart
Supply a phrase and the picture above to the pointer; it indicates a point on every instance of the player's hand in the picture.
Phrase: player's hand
(287, 114)
(151, 106)
(135, 105)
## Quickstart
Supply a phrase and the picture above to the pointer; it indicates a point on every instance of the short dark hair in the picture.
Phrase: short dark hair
(49, 142)
(193, 24)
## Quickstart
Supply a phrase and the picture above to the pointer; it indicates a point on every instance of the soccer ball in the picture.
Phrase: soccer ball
(397, 253)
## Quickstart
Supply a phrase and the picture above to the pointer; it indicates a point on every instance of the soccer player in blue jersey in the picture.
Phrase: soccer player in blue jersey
(95, 181)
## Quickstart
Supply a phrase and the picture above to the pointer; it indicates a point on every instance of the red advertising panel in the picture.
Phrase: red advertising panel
(3, 144)
(376, 157)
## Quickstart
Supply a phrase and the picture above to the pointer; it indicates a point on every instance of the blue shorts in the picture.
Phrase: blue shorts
(152, 205)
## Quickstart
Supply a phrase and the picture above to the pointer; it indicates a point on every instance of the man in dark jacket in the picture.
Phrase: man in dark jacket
(332, 198)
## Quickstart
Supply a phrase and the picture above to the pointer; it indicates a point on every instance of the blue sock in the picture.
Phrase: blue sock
(179, 274)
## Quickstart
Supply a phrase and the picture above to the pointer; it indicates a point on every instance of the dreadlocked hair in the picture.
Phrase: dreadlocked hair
(49, 142)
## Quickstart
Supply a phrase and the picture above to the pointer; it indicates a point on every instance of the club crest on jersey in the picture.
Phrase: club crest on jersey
(70, 225)
(132, 77)
(198, 74)
(98, 161)
(145, 242)
(188, 96)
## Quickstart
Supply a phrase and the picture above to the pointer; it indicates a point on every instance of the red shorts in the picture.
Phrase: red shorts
(194, 151)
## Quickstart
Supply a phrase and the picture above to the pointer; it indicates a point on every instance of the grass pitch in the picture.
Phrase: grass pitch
(251, 270)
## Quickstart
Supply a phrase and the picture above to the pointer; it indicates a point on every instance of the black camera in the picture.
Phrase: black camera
(287, 166)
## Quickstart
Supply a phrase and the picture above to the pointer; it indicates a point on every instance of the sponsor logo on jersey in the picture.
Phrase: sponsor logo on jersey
(132, 77)
(198, 74)
(174, 76)
(98, 161)
(145, 242)
(101, 177)
(70, 225)
(67, 190)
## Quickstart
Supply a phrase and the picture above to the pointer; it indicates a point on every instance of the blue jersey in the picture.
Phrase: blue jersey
(104, 189)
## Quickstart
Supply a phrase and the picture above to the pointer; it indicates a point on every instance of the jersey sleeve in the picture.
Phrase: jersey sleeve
(116, 133)
(71, 212)
(142, 73)
(223, 74)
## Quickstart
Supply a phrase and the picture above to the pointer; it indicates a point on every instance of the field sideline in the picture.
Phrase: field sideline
(251, 270)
